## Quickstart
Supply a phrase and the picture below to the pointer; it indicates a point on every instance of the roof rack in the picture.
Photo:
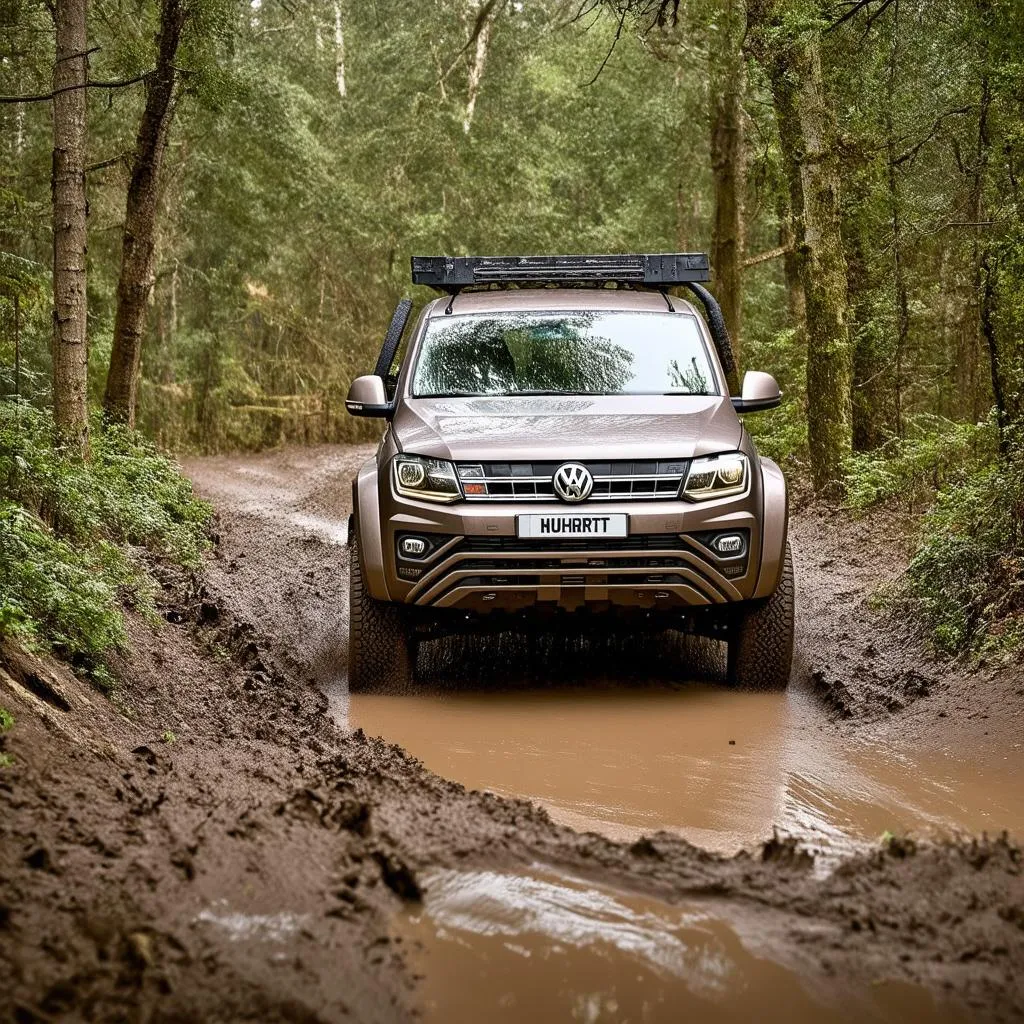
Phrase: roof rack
(658, 270)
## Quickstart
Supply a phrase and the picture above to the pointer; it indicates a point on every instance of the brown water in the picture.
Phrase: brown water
(718, 767)
(539, 948)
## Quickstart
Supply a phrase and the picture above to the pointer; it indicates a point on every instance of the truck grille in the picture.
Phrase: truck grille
(613, 481)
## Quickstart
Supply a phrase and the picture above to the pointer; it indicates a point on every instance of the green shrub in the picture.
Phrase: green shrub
(73, 535)
(933, 451)
(967, 579)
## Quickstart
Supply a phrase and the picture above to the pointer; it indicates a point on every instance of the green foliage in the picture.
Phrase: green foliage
(933, 452)
(781, 434)
(76, 538)
(6, 720)
(54, 593)
(967, 578)
(168, 737)
(127, 494)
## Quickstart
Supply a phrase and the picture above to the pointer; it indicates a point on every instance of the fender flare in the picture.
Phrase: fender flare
(366, 522)
(774, 528)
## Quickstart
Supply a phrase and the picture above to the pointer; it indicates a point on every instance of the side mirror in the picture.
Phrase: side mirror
(760, 391)
(366, 397)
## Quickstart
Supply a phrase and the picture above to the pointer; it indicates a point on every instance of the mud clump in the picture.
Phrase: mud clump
(786, 852)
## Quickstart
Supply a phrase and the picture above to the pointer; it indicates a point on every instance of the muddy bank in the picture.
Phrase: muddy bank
(165, 855)
(873, 666)
(210, 844)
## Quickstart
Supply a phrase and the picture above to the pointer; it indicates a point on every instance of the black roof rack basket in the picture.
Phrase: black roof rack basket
(653, 270)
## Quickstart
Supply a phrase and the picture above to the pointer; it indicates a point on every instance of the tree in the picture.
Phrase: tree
(784, 36)
(70, 209)
(135, 282)
(728, 163)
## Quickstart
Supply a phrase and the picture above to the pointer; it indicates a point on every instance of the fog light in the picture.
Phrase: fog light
(413, 547)
(729, 544)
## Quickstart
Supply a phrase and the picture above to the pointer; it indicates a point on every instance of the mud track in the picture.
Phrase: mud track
(211, 844)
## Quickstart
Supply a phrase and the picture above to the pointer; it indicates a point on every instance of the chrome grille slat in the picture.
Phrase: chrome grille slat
(613, 481)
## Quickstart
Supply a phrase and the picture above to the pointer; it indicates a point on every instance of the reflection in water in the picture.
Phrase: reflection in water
(278, 927)
(539, 948)
(720, 768)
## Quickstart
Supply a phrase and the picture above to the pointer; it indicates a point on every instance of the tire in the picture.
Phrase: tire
(761, 639)
(380, 649)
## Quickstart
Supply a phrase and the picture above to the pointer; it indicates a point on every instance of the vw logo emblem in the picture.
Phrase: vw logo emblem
(573, 482)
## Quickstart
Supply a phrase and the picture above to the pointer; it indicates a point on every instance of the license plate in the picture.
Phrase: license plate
(614, 524)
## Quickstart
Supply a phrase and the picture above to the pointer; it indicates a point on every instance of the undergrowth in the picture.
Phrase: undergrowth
(781, 434)
(78, 540)
(932, 452)
(966, 580)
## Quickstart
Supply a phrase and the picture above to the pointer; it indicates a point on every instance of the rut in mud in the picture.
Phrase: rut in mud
(268, 864)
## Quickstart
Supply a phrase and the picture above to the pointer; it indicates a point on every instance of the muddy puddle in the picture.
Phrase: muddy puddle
(541, 947)
(720, 768)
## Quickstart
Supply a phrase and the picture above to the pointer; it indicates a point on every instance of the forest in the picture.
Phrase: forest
(208, 211)
(238, 783)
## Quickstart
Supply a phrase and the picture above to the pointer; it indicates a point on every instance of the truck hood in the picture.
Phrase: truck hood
(548, 428)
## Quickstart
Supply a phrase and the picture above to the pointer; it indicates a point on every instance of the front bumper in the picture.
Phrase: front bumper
(476, 563)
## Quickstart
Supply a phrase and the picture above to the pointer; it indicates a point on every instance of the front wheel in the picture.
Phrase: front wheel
(761, 638)
(380, 648)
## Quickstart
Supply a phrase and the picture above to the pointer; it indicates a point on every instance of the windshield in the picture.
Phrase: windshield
(579, 353)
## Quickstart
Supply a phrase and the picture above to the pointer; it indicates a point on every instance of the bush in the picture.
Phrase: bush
(967, 578)
(932, 452)
(77, 540)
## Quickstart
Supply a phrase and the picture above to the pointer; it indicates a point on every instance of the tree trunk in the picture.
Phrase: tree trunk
(70, 340)
(808, 137)
(796, 301)
(339, 51)
(135, 282)
(476, 69)
(986, 270)
(988, 330)
(728, 168)
(899, 275)
(868, 377)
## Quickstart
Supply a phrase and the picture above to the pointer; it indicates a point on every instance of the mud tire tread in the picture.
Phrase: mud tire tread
(379, 650)
(761, 646)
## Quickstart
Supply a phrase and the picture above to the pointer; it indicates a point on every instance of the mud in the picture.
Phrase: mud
(253, 865)
(509, 948)
(719, 768)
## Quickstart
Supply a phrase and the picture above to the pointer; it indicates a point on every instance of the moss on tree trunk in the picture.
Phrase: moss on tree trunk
(789, 52)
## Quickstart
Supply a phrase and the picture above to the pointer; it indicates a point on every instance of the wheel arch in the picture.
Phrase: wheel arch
(774, 528)
(366, 527)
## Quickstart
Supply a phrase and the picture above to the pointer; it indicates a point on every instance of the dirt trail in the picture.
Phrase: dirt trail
(212, 844)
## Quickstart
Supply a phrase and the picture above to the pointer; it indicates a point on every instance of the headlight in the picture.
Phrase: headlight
(718, 476)
(426, 479)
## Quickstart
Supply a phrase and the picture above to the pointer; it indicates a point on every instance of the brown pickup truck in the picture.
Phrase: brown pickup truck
(560, 450)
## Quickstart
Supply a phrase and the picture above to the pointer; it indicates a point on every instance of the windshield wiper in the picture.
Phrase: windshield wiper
(533, 392)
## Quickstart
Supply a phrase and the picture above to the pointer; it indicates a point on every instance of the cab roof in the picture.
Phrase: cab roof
(509, 300)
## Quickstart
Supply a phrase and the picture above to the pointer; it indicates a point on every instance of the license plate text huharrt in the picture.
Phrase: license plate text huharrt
(611, 525)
